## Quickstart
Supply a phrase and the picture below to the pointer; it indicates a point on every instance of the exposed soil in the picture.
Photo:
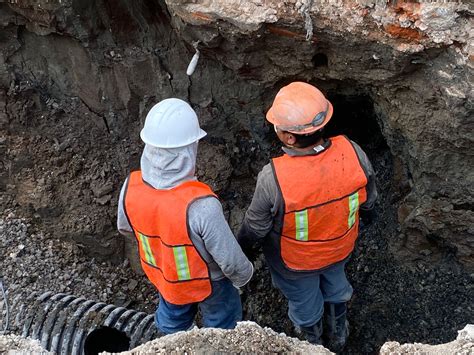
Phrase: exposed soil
(421, 302)
(77, 79)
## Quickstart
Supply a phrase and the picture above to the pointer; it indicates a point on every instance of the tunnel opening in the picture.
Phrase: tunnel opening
(354, 116)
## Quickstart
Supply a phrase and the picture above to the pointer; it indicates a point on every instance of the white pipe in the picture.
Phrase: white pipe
(193, 63)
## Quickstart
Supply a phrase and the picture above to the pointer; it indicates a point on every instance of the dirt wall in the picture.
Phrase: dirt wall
(77, 78)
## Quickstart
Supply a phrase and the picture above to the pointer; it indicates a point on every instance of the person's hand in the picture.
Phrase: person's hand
(251, 253)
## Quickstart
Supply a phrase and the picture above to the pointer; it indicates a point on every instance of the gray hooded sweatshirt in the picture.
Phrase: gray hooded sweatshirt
(209, 231)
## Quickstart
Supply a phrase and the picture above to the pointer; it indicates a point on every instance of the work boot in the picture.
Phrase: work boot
(336, 325)
(313, 333)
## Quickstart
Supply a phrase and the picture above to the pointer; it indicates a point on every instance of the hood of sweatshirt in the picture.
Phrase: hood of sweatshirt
(165, 168)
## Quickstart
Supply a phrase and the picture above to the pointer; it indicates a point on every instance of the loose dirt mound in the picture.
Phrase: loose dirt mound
(247, 337)
(14, 344)
(463, 345)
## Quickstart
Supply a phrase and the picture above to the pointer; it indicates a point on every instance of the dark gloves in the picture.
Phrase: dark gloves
(367, 217)
(248, 242)
(251, 253)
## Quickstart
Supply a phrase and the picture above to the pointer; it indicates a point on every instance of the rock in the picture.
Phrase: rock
(132, 284)
(103, 200)
(425, 252)
(462, 345)
(14, 344)
(100, 190)
(467, 333)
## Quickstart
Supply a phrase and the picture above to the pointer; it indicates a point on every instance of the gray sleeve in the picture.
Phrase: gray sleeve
(263, 212)
(206, 219)
(370, 173)
(122, 221)
(265, 204)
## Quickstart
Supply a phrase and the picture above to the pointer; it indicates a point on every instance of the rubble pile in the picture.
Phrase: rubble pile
(15, 345)
(247, 338)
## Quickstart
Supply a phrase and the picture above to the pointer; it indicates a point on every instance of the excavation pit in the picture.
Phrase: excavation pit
(77, 80)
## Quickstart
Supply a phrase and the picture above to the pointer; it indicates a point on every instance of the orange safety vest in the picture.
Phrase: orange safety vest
(322, 195)
(168, 256)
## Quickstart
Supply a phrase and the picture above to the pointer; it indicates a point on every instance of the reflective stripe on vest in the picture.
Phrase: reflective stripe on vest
(301, 219)
(353, 208)
(150, 259)
(181, 261)
(169, 258)
(322, 195)
(180, 257)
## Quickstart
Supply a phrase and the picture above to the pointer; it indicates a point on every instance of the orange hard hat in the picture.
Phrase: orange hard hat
(300, 108)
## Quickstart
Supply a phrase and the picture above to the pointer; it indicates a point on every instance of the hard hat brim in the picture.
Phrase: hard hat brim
(147, 140)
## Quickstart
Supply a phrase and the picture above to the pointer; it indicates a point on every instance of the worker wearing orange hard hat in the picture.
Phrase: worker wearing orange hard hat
(305, 213)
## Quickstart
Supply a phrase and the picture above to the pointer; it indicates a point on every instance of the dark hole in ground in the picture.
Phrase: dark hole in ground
(106, 339)
(354, 117)
(320, 60)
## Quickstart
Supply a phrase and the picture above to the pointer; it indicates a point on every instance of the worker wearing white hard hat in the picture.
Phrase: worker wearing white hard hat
(171, 123)
(186, 247)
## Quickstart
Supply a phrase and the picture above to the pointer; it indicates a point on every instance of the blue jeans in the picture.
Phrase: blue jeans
(222, 309)
(306, 296)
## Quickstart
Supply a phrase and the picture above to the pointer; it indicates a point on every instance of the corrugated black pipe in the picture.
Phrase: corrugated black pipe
(62, 323)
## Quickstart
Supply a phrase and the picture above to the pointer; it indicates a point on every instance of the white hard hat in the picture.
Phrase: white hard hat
(171, 123)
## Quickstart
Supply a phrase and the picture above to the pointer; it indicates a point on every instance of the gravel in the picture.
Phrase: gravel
(32, 262)
(463, 345)
(14, 344)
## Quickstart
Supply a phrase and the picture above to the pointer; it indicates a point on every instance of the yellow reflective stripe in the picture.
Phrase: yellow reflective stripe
(181, 261)
(301, 219)
(353, 207)
(150, 259)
